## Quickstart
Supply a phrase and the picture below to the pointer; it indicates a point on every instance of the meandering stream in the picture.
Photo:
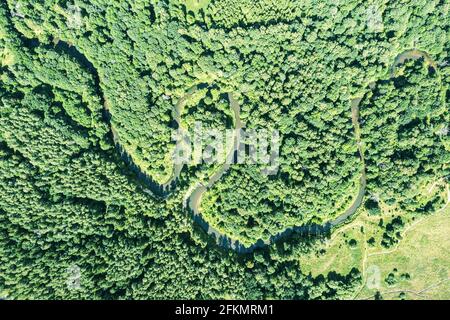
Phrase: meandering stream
(195, 193)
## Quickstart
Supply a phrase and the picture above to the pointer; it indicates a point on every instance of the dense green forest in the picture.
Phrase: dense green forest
(87, 96)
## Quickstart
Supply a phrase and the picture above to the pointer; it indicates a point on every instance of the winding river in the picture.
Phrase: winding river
(195, 197)
(195, 193)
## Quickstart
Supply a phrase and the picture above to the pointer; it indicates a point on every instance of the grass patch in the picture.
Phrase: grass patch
(196, 5)
(418, 267)
(424, 254)
(340, 254)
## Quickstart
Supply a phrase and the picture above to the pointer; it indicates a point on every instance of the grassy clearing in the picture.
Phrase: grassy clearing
(7, 57)
(419, 265)
(196, 5)
(424, 254)
(339, 255)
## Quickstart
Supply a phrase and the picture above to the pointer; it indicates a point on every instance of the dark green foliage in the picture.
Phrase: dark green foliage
(392, 235)
(352, 243)
(405, 276)
(76, 222)
(391, 280)
(403, 122)
(372, 206)
(378, 296)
